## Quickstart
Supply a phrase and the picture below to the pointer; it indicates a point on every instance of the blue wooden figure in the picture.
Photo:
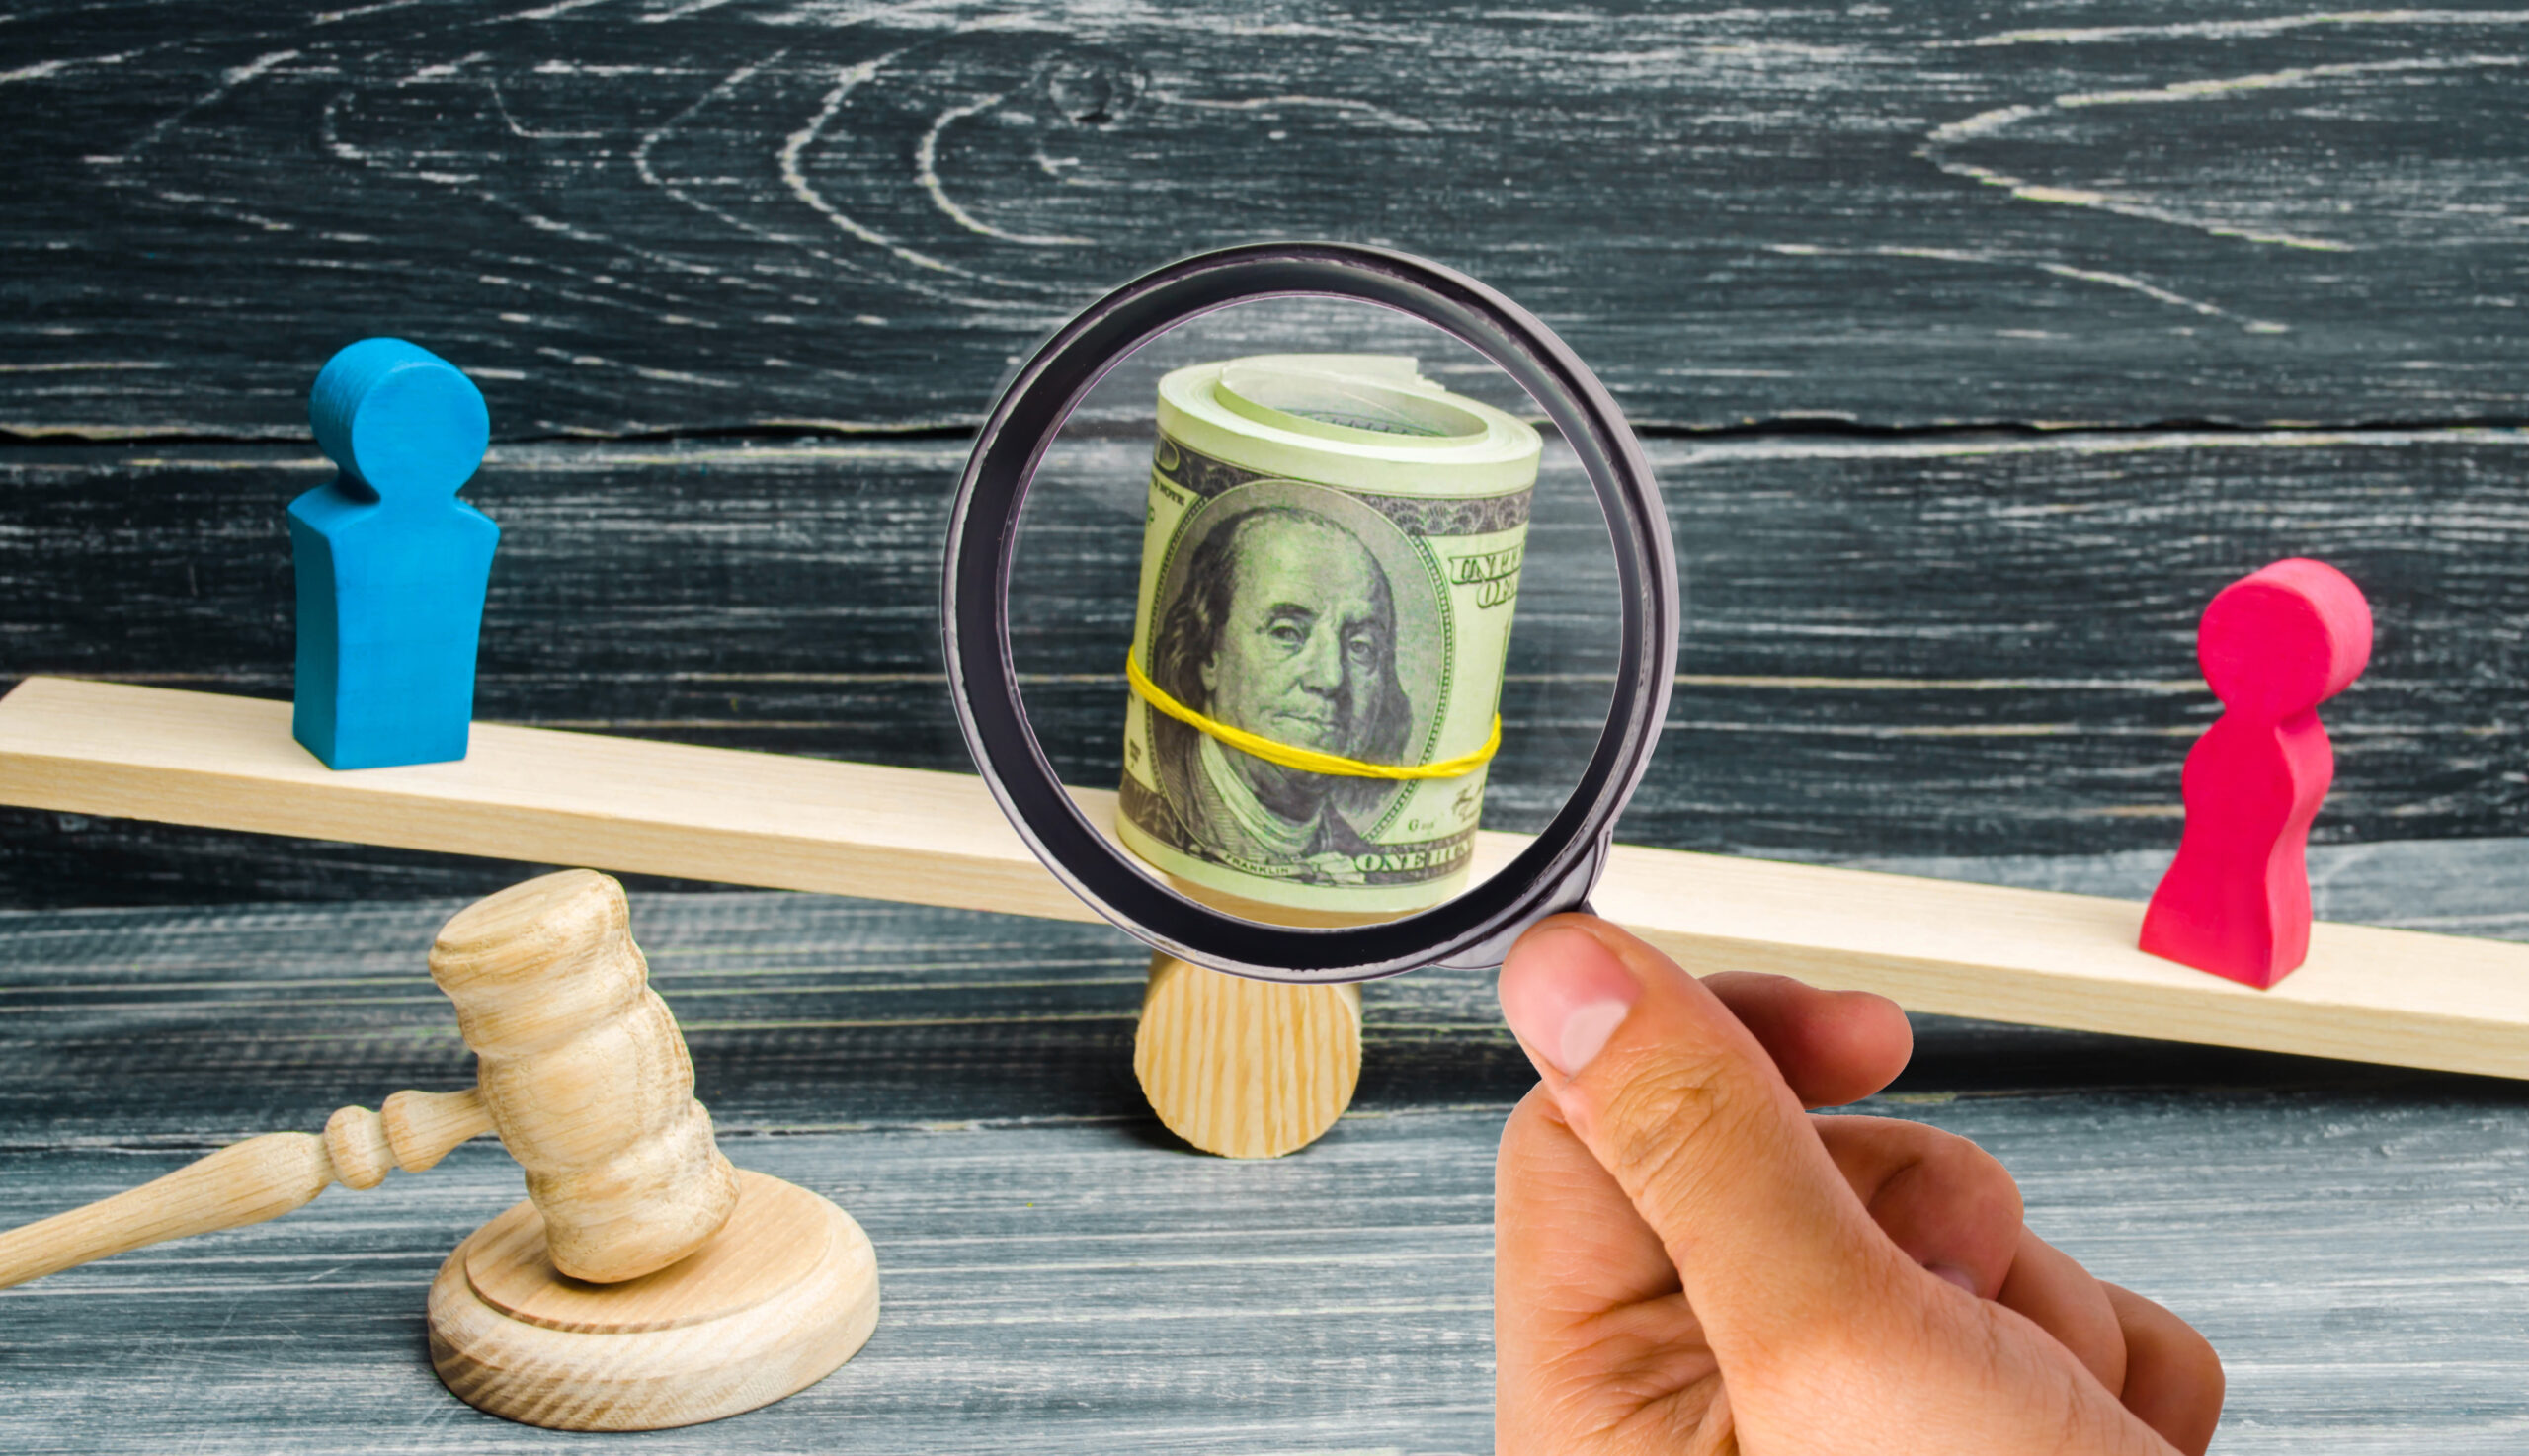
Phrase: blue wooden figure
(391, 566)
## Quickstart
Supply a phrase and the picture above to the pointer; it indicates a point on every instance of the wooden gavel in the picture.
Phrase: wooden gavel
(645, 1283)
(580, 1069)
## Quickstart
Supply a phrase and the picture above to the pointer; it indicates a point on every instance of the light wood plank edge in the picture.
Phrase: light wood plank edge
(2399, 997)
(581, 800)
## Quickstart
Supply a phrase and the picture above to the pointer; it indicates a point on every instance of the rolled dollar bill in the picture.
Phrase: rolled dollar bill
(1329, 570)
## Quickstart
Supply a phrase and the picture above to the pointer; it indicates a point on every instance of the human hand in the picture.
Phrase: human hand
(1686, 1262)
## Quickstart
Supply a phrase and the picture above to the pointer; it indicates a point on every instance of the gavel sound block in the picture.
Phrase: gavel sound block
(645, 1282)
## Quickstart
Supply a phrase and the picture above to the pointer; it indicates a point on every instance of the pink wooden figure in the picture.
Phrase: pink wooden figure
(2274, 645)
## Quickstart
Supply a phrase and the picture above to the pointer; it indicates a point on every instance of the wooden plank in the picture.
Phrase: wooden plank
(2366, 993)
(2067, 960)
(1061, 1275)
(759, 215)
(610, 803)
(1995, 636)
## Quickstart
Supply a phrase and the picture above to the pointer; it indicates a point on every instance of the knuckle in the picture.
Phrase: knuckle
(1653, 1121)
(1528, 1138)
(1963, 1162)
(1958, 1172)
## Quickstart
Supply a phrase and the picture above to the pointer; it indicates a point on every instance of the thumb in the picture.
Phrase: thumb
(1686, 1111)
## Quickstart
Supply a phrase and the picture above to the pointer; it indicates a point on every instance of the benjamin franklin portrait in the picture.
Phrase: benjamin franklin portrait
(1282, 623)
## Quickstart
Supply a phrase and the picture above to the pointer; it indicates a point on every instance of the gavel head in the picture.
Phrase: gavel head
(585, 1075)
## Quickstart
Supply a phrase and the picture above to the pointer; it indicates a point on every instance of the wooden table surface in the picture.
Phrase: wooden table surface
(1059, 1273)
(1974, 348)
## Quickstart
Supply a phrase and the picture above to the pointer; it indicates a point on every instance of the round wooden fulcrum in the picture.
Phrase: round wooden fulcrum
(781, 1297)
(1246, 1069)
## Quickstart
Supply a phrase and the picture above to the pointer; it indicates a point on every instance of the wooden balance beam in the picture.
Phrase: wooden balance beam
(2395, 997)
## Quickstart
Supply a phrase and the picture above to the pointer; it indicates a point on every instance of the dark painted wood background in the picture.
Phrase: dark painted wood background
(1977, 346)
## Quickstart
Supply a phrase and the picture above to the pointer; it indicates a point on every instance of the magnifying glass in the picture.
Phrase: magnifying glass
(1327, 557)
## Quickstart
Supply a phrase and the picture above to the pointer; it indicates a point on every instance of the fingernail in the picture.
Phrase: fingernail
(1564, 994)
(1955, 1275)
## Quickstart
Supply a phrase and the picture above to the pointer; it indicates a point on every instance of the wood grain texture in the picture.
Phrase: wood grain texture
(1246, 1069)
(1918, 648)
(2046, 958)
(661, 215)
(583, 1075)
(248, 1182)
(780, 1298)
(1061, 1274)
(676, 218)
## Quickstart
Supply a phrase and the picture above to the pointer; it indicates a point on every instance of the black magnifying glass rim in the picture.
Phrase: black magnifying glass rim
(1557, 869)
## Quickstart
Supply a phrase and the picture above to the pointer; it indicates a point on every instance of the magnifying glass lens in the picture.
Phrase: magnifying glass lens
(1319, 591)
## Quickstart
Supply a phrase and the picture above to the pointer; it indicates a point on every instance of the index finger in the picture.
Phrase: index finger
(1833, 1046)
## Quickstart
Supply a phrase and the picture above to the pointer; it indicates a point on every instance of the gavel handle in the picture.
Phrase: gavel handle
(250, 1182)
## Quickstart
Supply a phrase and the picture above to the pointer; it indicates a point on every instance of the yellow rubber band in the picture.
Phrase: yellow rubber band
(1307, 760)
